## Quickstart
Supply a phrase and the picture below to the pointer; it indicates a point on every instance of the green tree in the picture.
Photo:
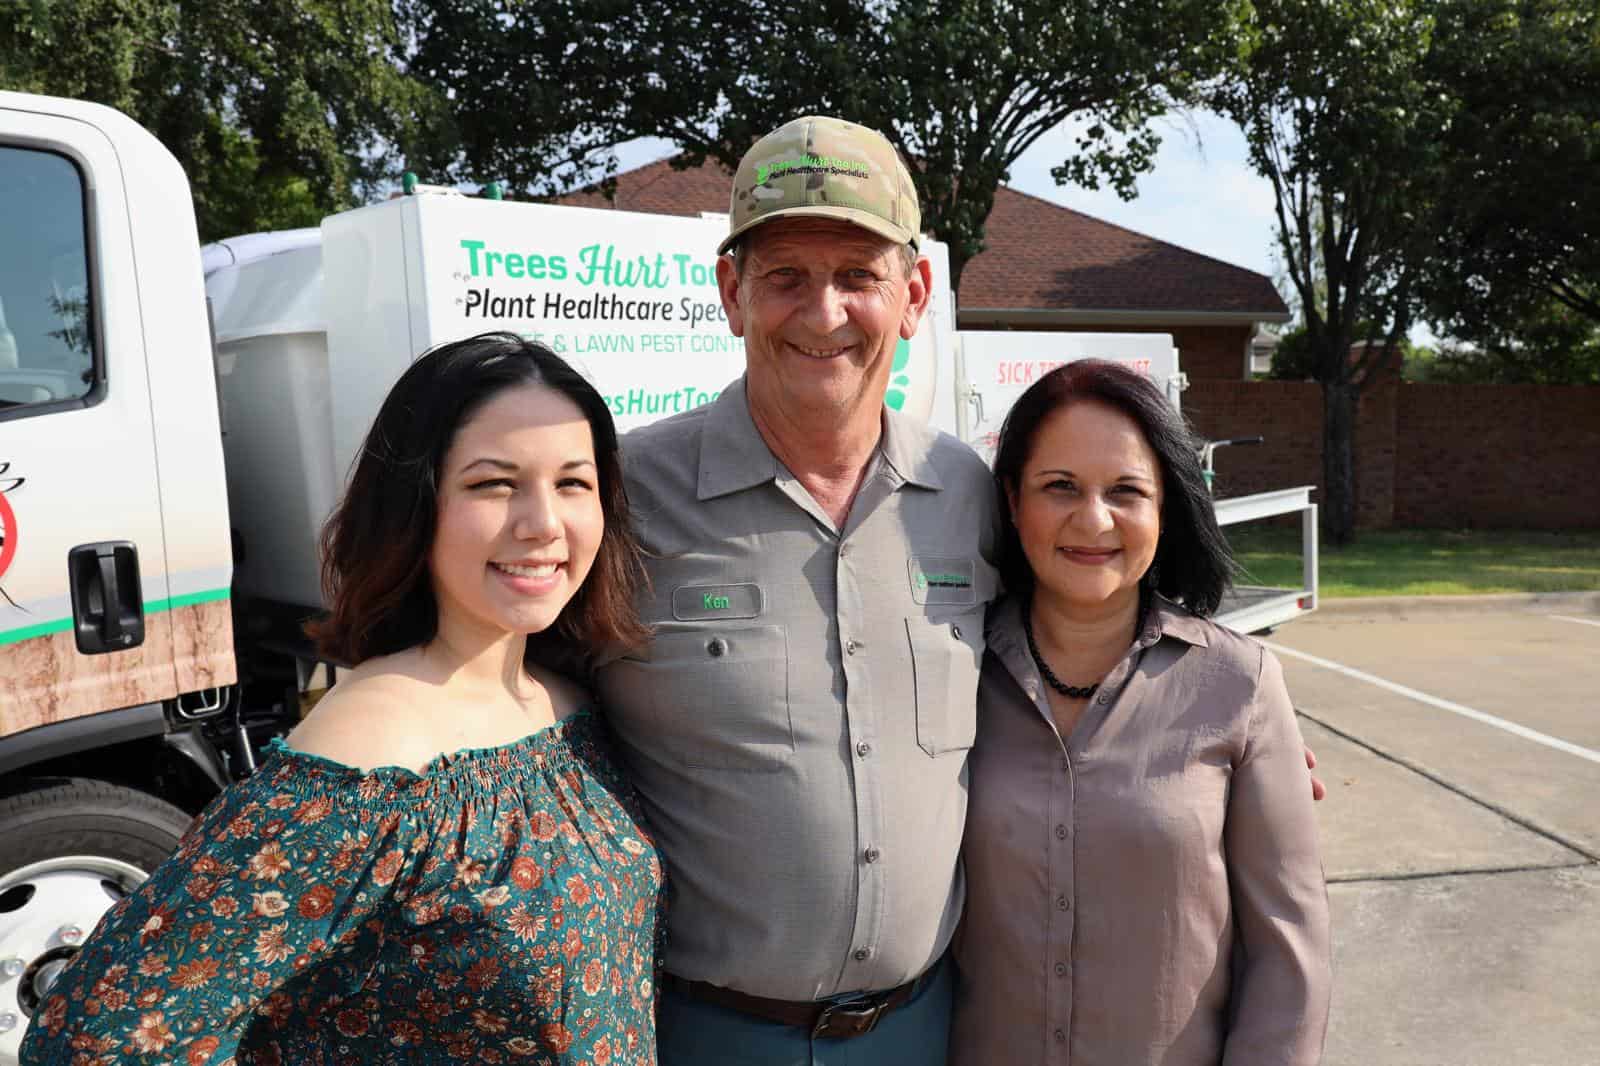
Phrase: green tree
(962, 87)
(1549, 344)
(1293, 359)
(1519, 230)
(1341, 115)
(280, 112)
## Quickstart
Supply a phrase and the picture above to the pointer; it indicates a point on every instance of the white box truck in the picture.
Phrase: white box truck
(161, 488)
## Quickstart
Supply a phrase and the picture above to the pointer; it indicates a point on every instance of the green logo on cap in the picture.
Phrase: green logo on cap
(810, 164)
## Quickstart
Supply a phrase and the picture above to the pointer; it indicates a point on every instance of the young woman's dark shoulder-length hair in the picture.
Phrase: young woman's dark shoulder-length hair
(1192, 563)
(375, 545)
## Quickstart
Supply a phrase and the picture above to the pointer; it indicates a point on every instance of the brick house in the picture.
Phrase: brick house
(1048, 267)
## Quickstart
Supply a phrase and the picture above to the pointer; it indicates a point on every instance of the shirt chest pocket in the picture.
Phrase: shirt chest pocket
(946, 652)
(719, 697)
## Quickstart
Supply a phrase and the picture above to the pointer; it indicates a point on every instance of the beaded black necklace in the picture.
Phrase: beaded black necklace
(1075, 692)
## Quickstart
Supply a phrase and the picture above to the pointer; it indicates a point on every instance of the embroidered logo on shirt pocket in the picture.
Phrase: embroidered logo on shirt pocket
(937, 579)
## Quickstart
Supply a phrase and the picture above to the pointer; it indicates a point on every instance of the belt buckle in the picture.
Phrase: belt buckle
(854, 1017)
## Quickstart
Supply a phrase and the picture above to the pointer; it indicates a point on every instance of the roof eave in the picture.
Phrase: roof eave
(968, 317)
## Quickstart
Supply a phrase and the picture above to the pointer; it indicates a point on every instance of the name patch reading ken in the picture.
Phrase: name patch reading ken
(942, 579)
(693, 603)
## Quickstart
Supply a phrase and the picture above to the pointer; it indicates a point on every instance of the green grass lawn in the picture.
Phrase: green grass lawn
(1425, 562)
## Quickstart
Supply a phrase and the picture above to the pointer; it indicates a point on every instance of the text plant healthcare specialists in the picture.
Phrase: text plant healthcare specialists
(598, 265)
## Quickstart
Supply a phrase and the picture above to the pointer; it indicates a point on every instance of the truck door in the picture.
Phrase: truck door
(83, 575)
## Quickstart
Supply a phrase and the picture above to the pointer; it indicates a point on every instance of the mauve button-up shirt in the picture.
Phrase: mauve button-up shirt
(1147, 889)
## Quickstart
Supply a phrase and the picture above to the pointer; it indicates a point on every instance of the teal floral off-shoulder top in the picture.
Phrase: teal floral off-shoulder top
(500, 907)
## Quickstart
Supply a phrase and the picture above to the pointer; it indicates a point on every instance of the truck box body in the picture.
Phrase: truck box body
(313, 330)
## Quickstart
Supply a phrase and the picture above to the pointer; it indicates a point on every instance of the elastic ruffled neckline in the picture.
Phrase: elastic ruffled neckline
(461, 772)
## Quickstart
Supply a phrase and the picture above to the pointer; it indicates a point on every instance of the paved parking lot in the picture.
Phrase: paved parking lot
(1460, 743)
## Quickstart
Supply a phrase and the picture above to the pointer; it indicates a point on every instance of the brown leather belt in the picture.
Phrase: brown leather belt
(836, 1019)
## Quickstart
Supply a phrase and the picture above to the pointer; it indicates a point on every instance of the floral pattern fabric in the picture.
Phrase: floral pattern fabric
(500, 907)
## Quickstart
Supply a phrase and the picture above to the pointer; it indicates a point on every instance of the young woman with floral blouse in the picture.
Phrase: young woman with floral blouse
(442, 863)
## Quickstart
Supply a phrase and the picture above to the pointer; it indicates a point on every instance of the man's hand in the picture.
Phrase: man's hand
(1318, 789)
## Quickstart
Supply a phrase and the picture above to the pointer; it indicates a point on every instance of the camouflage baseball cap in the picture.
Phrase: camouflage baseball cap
(824, 168)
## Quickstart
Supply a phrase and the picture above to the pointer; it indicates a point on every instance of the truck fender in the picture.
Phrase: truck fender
(56, 739)
(108, 729)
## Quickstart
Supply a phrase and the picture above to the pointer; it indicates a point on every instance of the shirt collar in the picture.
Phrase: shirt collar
(1010, 645)
(908, 448)
(734, 457)
(1005, 640)
(1171, 620)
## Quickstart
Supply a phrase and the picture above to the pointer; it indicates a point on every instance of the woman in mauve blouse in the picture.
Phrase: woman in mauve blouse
(1143, 880)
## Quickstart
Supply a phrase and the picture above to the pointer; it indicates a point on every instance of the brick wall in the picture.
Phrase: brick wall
(1524, 456)
(1452, 456)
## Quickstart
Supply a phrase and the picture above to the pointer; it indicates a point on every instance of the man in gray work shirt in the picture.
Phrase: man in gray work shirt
(820, 566)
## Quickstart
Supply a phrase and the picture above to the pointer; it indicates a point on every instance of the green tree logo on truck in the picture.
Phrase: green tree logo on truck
(898, 379)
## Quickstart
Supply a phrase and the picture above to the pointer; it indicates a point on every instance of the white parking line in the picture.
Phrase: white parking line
(1444, 705)
(1580, 621)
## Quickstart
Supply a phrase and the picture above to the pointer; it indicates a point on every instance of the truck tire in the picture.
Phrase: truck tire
(68, 851)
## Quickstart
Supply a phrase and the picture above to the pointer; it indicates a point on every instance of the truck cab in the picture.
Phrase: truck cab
(116, 638)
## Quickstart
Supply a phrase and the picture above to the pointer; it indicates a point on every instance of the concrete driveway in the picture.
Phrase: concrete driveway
(1460, 742)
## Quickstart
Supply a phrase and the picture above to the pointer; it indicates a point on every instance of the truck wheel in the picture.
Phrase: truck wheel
(68, 851)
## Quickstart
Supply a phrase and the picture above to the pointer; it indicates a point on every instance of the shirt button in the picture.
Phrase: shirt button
(850, 647)
(1061, 1036)
(717, 647)
(1061, 969)
(1062, 903)
(844, 549)
(871, 854)
(1102, 698)
(956, 631)
(863, 749)
(1061, 832)
(862, 954)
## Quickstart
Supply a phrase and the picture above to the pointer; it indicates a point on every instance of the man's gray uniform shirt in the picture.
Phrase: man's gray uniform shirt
(799, 726)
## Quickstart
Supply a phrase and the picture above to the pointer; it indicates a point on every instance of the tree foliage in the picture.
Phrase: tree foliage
(1518, 228)
(1549, 344)
(1342, 116)
(1293, 359)
(535, 91)
(280, 112)
(1429, 158)
(962, 87)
